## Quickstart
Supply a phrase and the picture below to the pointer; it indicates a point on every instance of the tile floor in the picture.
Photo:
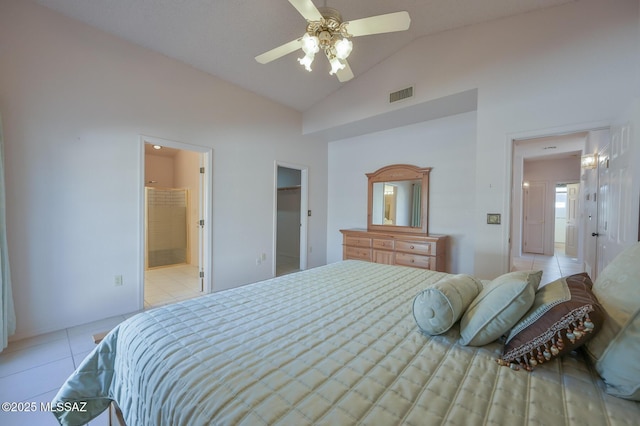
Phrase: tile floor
(170, 284)
(286, 264)
(32, 370)
(553, 267)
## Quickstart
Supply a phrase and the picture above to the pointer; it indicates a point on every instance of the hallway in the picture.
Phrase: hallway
(552, 267)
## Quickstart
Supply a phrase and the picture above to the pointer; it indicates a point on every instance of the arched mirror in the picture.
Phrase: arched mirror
(399, 199)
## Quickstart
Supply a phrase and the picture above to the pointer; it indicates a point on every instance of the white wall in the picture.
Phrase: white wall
(75, 102)
(555, 69)
(447, 145)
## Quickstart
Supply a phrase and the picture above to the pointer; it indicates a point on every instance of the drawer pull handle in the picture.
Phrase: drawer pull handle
(412, 247)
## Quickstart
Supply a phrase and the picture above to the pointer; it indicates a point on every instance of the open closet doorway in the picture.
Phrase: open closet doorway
(291, 218)
(176, 221)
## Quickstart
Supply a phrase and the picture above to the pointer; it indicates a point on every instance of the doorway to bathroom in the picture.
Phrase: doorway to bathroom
(176, 240)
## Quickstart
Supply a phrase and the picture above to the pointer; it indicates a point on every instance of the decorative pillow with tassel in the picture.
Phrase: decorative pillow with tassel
(564, 316)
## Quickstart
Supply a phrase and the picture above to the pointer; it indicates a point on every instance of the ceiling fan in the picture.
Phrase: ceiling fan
(326, 31)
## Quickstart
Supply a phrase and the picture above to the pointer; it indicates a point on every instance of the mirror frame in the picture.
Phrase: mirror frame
(397, 172)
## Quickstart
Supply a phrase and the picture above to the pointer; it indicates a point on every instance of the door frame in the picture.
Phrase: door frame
(514, 169)
(304, 212)
(207, 245)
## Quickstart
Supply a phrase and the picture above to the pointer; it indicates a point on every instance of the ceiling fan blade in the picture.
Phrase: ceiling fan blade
(307, 9)
(279, 51)
(397, 21)
(345, 74)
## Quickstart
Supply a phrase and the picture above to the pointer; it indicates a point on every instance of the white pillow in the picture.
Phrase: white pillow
(437, 308)
(498, 307)
(614, 350)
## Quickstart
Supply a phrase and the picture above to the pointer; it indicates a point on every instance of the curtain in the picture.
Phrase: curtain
(7, 312)
(415, 205)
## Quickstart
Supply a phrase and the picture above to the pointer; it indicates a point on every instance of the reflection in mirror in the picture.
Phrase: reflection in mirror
(397, 203)
(398, 199)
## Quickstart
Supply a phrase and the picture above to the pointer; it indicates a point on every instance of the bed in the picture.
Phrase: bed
(334, 345)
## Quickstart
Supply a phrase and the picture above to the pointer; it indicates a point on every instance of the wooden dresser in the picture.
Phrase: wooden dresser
(416, 250)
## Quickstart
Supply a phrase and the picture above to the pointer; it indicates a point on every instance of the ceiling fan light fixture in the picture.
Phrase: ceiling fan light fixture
(307, 60)
(327, 32)
(336, 65)
(310, 44)
(343, 48)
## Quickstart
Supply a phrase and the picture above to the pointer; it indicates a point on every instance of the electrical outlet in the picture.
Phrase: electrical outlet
(258, 261)
(117, 280)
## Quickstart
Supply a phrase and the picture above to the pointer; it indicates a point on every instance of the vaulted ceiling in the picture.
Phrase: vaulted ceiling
(223, 37)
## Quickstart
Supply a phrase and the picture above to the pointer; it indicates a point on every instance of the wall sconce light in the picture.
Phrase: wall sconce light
(589, 161)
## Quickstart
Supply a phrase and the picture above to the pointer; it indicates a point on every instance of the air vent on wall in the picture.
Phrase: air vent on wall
(401, 94)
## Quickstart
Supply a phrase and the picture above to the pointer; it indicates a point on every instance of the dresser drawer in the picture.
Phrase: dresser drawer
(425, 248)
(383, 256)
(396, 248)
(414, 260)
(382, 244)
(357, 253)
(358, 242)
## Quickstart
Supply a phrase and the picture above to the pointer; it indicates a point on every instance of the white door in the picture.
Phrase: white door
(534, 211)
(571, 240)
(616, 224)
(604, 210)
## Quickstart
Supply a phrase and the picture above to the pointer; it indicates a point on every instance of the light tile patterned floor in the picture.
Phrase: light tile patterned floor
(287, 264)
(32, 370)
(552, 267)
(170, 284)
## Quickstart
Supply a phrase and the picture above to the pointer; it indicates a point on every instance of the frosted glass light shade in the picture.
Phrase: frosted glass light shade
(336, 66)
(310, 44)
(307, 61)
(343, 48)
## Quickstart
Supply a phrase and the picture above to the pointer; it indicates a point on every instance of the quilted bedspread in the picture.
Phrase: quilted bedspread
(334, 345)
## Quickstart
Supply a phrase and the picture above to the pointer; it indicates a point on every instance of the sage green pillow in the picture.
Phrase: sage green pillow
(614, 351)
(498, 307)
(437, 308)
